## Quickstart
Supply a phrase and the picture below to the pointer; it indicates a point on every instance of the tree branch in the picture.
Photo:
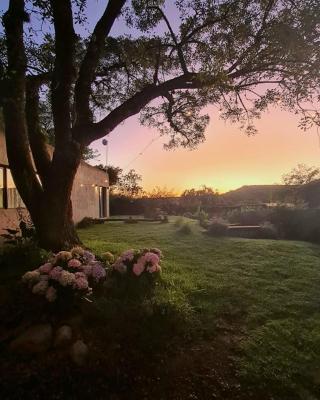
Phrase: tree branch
(17, 142)
(174, 38)
(134, 104)
(37, 138)
(91, 59)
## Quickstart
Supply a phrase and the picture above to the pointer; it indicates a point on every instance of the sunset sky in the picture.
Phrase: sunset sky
(228, 159)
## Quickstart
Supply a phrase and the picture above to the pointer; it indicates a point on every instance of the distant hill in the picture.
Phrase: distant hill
(259, 194)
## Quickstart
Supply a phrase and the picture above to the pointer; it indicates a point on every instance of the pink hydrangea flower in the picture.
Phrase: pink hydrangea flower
(51, 294)
(45, 268)
(138, 268)
(31, 276)
(98, 271)
(63, 256)
(151, 258)
(80, 275)
(74, 263)
(77, 251)
(88, 256)
(127, 255)
(55, 273)
(156, 251)
(67, 278)
(81, 283)
(40, 287)
(153, 268)
(120, 267)
(87, 270)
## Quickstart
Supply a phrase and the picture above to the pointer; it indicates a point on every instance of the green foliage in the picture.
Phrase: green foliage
(17, 259)
(217, 228)
(185, 229)
(179, 221)
(222, 49)
(249, 217)
(269, 231)
(301, 174)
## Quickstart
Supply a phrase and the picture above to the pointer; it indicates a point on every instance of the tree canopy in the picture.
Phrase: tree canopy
(237, 54)
(301, 174)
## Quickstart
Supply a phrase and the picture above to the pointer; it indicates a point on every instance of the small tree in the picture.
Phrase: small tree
(237, 54)
(128, 184)
(301, 174)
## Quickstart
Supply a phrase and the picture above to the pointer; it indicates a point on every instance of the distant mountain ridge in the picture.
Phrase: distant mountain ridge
(260, 193)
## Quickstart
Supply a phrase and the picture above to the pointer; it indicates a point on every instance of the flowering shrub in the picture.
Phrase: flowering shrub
(135, 272)
(139, 262)
(76, 271)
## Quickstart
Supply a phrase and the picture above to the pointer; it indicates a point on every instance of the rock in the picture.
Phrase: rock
(36, 339)
(79, 352)
(63, 336)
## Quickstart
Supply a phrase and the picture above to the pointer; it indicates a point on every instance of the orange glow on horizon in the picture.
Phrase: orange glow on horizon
(227, 160)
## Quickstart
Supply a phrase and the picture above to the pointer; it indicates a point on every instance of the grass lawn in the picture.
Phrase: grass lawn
(230, 319)
(251, 312)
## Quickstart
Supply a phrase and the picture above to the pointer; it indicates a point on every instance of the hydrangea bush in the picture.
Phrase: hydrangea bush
(75, 272)
(135, 272)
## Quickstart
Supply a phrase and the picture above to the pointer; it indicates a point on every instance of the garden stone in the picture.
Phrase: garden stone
(36, 339)
(79, 352)
(63, 336)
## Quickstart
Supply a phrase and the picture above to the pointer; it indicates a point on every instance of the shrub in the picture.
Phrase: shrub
(179, 221)
(217, 228)
(249, 217)
(203, 219)
(297, 224)
(269, 231)
(134, 273)
(87, 222)
(185, 229)
(68, 273)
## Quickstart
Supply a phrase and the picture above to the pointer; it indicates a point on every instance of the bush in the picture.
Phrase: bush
(179, 221)
(297, 224)
(249, 217)
(65, 276)
(87, 222)
(217, 228)
(185, 229)
(134, 274)
(269, 231)
(203, 219)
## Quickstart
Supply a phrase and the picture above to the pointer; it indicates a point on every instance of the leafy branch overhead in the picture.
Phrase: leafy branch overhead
(239, 55)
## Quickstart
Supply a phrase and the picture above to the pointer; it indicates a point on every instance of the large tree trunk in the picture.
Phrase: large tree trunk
(52, 214)
(54, 225)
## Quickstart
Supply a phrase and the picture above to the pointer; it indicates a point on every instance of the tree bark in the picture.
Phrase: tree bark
(54, 224)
